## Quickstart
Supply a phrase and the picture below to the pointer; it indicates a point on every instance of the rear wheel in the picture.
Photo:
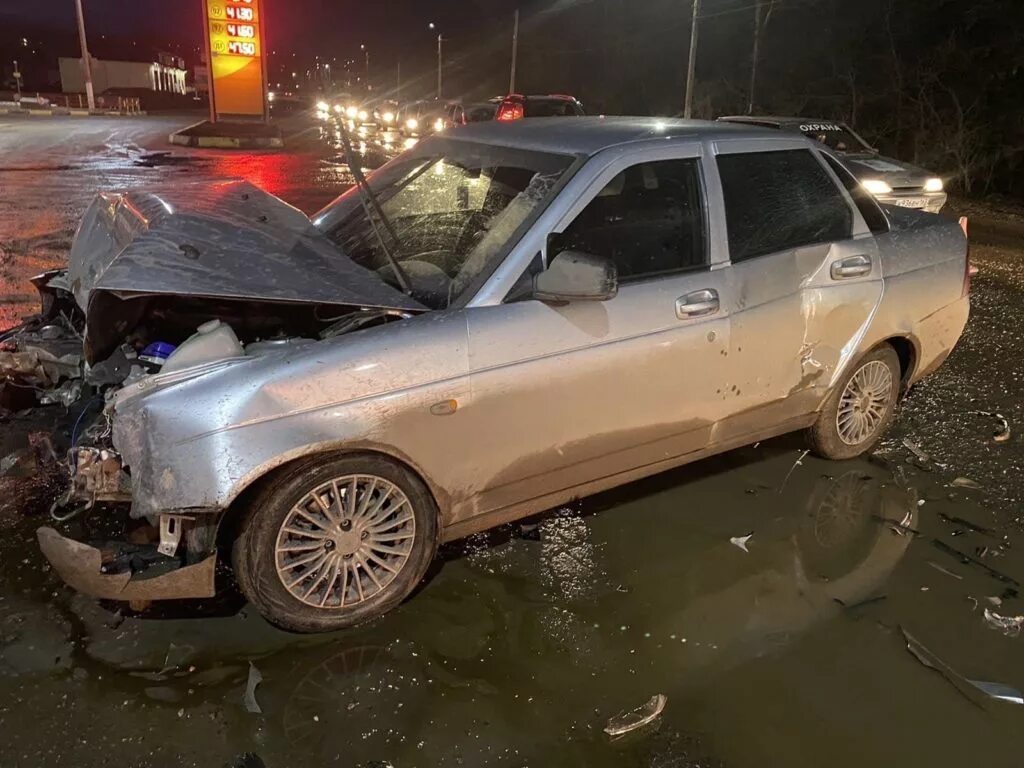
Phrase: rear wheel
(860, 408)
(337, 543)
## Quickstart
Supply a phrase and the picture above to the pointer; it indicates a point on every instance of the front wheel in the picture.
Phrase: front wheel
(333, 544)
(860, 408)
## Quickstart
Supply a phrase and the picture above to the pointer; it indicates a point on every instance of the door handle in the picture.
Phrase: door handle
(851, 266)
(697, 304)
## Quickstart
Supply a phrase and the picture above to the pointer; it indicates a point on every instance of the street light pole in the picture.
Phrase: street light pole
(755, 56)
(440, 64)
(17, 79)
(688, 108)
(515, 53)
(87, 63)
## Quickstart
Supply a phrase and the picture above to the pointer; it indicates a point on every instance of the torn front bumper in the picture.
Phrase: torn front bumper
(81, 567)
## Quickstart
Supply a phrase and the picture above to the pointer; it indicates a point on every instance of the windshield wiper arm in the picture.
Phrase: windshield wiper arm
(369, 200)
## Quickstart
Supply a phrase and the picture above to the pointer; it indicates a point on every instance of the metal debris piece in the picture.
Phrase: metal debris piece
(798, 463)
(999, 691)
(741, 541)
(1008, 625)
(926, 461)
(67, 394)
(255, 678)
(968, 560)
(1002, 432)
(627, 722)
(953, 520)
(902, 528)
(930, 660)
(966, 482)
(940, 569)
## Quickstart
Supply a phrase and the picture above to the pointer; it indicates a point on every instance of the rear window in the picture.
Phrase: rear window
(552, 108)
(835, 136)
(775, 201)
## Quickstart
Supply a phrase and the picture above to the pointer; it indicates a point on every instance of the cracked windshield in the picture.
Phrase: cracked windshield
(556, 383)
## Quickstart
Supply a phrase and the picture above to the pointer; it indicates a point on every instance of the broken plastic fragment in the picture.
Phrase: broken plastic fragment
(255, 678)
(999, 691)
(1008, 625)
(916, 450)
(741, 541)
(626, 722)
(966, 482)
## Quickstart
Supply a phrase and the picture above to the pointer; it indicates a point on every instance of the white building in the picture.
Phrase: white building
(153, 76)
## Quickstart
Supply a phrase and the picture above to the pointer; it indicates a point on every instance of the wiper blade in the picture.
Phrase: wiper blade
(360, 319)
(371, 205)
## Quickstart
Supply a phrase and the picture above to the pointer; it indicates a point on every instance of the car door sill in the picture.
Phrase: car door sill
(462, 528)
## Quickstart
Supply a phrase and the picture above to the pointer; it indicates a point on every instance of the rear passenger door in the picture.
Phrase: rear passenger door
(806, 278)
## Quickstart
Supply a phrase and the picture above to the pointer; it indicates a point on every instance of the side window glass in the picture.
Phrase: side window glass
(779, 200)
(649, 220)
(866, 204)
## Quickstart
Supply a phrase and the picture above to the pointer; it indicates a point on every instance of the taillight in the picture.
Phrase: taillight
(969, 269)
(511, 110)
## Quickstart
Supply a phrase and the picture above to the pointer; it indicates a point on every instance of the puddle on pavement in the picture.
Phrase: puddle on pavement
(525, 641)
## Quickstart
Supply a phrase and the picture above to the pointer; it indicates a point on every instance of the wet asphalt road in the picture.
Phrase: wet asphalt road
(523, 642)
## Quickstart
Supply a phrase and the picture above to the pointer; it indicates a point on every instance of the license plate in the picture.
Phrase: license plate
(911, 202)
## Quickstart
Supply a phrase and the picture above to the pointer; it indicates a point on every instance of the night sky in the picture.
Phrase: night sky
(324, 27)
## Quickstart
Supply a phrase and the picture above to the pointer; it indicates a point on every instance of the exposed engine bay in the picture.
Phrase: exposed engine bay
(150, 293)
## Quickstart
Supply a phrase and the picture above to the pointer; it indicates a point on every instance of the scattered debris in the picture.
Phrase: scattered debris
(930, 660)
(67, 394)
(1008, 625)
(953, 520)
(255, 678)
(1002, 432)
(921, 456)
(996, 601)
(968, 560)
(966, 482)
(627, 722)
(798, 463)
(741, 541)
(999, 691)
(36, 367)
(940, 569)
(862, 603)
(902, 528)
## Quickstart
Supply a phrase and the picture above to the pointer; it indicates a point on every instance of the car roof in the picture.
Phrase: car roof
(590, 135)
(781, 122)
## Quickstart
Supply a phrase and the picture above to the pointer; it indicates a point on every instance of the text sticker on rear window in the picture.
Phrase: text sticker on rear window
(808, 127)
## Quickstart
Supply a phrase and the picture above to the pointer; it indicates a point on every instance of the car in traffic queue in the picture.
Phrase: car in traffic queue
(891, 181)
(516, 106)
(501, 320)
(423, 118)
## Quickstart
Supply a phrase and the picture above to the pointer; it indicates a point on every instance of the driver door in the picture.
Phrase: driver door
(568, 395)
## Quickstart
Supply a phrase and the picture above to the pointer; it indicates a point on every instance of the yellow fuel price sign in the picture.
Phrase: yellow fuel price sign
(238, 71)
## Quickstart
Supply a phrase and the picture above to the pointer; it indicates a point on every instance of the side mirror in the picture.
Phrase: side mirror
(577, 276)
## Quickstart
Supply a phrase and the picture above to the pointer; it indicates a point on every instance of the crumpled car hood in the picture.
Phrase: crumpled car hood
(227, 240)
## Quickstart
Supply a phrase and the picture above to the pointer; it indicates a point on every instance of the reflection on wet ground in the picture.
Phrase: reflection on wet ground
(525, 641)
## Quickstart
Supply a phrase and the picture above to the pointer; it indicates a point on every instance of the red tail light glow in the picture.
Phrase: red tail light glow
(510, 110)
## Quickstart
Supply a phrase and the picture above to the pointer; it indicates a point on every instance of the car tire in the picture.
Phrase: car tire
(334, 543)
(860, 408)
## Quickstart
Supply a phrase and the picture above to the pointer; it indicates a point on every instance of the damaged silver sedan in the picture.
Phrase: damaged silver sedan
(501, 320)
